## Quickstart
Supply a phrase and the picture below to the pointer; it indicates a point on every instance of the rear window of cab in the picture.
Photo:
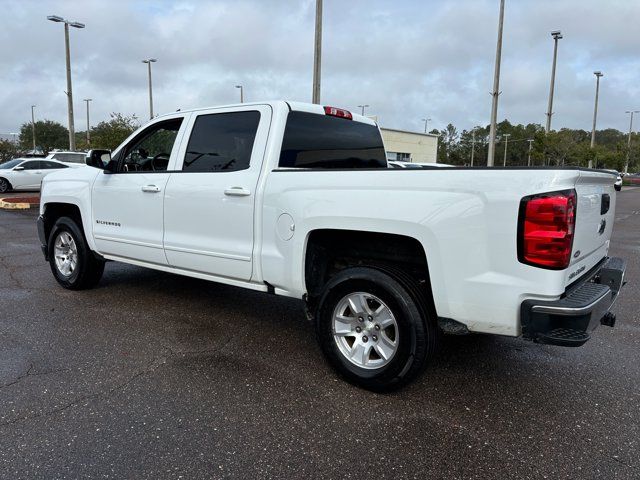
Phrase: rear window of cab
(321, 141)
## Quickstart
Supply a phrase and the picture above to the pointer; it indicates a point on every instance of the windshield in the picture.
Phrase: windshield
(12, 163)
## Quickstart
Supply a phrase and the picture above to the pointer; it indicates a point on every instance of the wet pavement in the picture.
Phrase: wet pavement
(152, 375)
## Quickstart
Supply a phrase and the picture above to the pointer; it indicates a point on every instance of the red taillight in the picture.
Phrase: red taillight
(545, 229)
(338, 112)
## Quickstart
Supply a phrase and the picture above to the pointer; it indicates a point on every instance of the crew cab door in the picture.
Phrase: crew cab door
(210, 201)
(127, 205)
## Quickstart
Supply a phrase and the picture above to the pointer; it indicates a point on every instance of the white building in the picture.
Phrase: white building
(410, 146)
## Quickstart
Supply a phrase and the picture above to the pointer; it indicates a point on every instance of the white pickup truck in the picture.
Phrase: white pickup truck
(296, 199)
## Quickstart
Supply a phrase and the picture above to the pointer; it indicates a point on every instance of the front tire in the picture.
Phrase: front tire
(72, 262)
(374, 328)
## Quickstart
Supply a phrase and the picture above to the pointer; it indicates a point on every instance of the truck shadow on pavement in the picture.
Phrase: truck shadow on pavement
(218, 324)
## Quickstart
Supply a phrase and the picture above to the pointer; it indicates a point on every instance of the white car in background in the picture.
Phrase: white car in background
(618, 184)
(27, 173)
(401, 164)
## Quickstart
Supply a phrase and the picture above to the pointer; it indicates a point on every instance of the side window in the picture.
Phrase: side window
(32, 165)
(221, 142)
(151, 149)
(51, 165)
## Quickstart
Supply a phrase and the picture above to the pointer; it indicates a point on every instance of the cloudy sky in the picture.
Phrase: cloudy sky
(407, 59)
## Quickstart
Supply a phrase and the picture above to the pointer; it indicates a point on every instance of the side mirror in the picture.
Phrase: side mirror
(98, 158)
(18, 169)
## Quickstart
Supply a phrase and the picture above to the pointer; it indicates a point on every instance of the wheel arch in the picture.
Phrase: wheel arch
(328, 251)
(54, 210)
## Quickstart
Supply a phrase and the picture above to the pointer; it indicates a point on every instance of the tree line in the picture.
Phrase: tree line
(557, 148)
(52, 135)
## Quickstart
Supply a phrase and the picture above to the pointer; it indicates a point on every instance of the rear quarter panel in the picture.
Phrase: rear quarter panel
(465, 219)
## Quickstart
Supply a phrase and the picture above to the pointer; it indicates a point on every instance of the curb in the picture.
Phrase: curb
(9, 205)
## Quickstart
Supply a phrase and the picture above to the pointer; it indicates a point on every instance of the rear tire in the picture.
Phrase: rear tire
(374, 329)
(5, 186)
(72, 262)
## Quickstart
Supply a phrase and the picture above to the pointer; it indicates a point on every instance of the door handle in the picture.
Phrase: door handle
(150, 189)
(237, 192)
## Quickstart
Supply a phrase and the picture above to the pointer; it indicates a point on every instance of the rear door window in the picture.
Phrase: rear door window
(320, 141)
(47, 165)
(221, 142)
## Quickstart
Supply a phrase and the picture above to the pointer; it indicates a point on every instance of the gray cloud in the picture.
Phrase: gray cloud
(407, 59)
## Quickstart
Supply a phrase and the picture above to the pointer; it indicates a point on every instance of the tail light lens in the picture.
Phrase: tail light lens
(545, 229)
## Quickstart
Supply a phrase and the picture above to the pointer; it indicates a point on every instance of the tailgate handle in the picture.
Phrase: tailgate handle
(605, 203)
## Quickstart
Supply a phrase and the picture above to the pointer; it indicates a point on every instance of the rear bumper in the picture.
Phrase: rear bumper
(585, 305)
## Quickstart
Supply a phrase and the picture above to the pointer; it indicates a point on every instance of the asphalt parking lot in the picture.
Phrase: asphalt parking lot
(152, 375)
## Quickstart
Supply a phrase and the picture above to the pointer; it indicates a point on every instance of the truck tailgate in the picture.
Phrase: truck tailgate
(595, 211)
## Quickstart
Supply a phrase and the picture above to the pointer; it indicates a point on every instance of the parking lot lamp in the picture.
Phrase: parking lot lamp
(496, 91)
(362, 107)
(598, 74)
(317, 54)
(67, 23)
(33, 128)
(473, 145)
(506, 143)
(557, 35)
(426, 123)
(626, 163)
(149, 61)
(87, 100)
(241, 93)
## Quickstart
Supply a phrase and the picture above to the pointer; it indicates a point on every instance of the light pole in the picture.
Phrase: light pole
(529, 154)
(506, 142)
(557, 35)
(241, 93)
(426, 123)
(317, 54)
(362, 107)
(87, 100)
(149, 61)
(496, 91)
(67, 23)
(598, 74)
(33, 128)
(626, 164)
(473, 145)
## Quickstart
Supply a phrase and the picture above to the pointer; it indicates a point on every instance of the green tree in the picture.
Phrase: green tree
(8, 150)
(557, 148)
(112, 133)
(448, 145)
(49, 135)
